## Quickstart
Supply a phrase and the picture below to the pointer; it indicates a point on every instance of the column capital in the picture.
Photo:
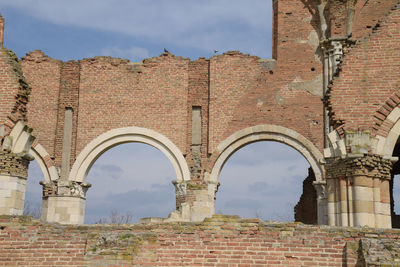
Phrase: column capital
(320, 187)
(65, 189)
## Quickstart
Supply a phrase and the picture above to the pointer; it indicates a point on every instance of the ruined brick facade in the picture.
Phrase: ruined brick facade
(331, 91)
(218, 241)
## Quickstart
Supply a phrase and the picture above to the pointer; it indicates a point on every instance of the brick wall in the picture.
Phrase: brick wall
(366, 16)
(43, 75)
(218, 241)
(14, 91)
(234, 91)
(306, 209)
(115, 93)
(368, 77)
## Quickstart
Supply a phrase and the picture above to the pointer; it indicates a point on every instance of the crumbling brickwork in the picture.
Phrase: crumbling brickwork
(305, 210)
(12, 164)
(219, 241)
(331, 91)
(43, 74)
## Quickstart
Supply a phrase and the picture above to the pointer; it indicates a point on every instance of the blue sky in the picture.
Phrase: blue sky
(136, 29)
(261, 180)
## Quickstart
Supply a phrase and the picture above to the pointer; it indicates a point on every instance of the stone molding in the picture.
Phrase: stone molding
(45, 162)
(267, 132)
(118, 136)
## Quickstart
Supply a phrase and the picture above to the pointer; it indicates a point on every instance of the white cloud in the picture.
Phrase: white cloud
(206, 25)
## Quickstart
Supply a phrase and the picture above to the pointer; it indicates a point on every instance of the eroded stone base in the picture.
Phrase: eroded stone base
(12, 195)
(63, 209)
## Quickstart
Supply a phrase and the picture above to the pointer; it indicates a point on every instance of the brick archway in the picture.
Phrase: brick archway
(386, 142)
(283, 135)
(114, 137)
(268, 133)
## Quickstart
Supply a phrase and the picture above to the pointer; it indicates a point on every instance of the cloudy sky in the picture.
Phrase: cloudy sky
(136, 29)
(261, 180)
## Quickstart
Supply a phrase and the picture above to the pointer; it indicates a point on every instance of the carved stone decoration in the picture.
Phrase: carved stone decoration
(72, 188)
(320, 187)
(78, 189)
(180, 188)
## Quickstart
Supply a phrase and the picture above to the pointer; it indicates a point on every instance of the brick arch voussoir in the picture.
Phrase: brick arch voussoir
(388, 131)
(383, 124)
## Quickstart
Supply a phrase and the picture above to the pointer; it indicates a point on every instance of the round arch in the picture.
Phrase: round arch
(268, 133)
(41, 156)
(114, 137)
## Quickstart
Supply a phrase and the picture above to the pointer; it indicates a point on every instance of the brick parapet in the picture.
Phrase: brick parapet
(218, 241)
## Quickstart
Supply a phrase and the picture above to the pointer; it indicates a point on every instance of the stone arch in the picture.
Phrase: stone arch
(114, 137)
(386, 140)
(268, 133)
(46, 164)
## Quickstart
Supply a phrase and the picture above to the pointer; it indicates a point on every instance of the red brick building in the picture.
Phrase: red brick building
(330, 91)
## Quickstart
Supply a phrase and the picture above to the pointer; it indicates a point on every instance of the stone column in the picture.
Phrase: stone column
(195, 200)
(13, 176)
(64, 202)
(358, 191)
(322, 202)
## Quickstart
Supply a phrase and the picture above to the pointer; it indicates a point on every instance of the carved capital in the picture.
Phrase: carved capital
(65, 188)
(78, 189)
(180, 188)
(320, 187)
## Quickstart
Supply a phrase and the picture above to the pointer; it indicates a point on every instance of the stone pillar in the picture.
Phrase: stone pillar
(195, 200)
(14, 162)
(322, 202)
(13, 176)
(358, 191)
(64, 202)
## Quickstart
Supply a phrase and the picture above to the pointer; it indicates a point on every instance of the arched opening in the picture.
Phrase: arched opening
(265, 180)
(88, 156)
(291, 139)
(33, 191)
(130, 181)
(115, 137)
